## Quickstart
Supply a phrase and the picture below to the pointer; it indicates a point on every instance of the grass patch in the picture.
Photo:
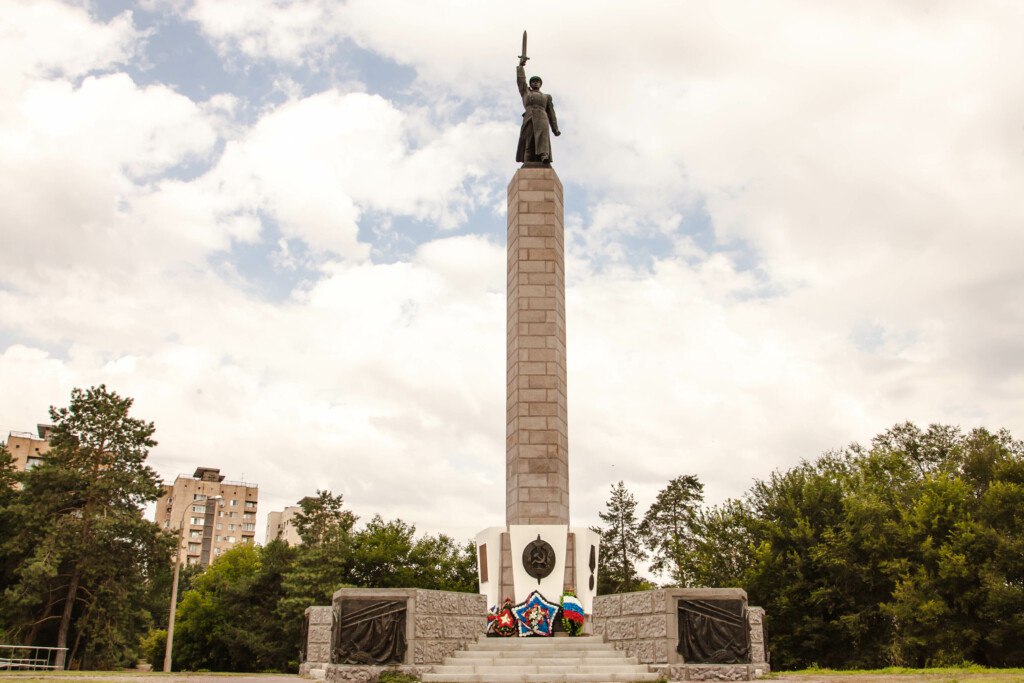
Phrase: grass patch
(952, 674)
(392, 676)
(50, 676)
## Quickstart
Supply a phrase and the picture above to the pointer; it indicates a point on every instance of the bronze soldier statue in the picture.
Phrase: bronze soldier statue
(534, 140)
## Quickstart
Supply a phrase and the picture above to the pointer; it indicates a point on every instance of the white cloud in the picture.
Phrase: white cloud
(860, 164)
(75, 169)
(318, 164)
(49, 39)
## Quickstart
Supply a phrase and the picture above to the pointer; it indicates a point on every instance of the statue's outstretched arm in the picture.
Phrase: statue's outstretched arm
(521, 78)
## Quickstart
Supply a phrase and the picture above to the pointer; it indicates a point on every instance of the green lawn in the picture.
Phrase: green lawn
(972, 673)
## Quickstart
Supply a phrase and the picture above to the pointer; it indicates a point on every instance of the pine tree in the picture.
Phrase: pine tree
(667, 527)
(621, 546)
(85, 556)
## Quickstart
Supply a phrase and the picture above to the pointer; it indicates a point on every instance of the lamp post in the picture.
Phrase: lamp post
(209, 520)
(174, 597)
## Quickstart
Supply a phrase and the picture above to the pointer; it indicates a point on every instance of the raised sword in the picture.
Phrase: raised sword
(523, 57)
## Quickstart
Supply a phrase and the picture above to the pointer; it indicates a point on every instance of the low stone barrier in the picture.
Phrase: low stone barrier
(436, 624)
(316, 651)
(646, 626)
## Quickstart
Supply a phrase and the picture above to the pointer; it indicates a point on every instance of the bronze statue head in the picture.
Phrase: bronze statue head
(535, 82)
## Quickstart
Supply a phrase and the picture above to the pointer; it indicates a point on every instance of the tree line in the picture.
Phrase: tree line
(245, 611)
(82, 569)
(909, 552)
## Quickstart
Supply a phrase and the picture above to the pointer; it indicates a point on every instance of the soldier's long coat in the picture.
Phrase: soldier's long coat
(538, 122)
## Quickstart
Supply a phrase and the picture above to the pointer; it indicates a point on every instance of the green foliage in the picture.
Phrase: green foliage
(322, 563)
(153, 648)
(245, 612)
(908, 553)
(228, 620)
(621, 545)
(721, 546)
(395, 676)
(323, 519)
(386, 555)
(80, 562)
(7, 478)
(668, 526)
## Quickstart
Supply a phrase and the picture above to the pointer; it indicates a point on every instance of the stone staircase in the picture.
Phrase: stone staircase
(586, 659)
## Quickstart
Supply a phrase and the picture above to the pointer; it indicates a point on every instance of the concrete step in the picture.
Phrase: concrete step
(540, 661)
(565, 669)
(533, 653)
(604, 677)
(516, 643)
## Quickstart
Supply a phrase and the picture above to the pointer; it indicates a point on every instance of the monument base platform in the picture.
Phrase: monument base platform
(516, 560)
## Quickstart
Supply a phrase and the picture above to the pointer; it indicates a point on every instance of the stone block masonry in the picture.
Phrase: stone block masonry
(537, 436)
(317, 648)
(437, 624)
(645, 625)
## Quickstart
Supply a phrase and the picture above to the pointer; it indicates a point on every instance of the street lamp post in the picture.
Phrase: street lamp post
(174, 597)
(209, 519)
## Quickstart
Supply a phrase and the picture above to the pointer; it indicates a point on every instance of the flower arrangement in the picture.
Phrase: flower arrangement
(572, 614)
(536, 615)
(501, 621)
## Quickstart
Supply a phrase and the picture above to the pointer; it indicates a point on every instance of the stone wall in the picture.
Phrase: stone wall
(437, 624)
(642, 624)
(443, 622)
(645, 625)
(318, 639)
(758, 648)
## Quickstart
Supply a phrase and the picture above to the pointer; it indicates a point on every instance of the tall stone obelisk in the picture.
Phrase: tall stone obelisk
(536, 550)
(536, 429)
(536, 435)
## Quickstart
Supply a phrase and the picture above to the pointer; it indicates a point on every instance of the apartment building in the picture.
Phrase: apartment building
(280, 525)
(212, 515)
(28, 449)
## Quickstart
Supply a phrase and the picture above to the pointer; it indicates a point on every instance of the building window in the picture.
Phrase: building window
(199, 496)
(197, 521)
(234, 503)
(250, 505)
(193, 547)
(195, 534)
(231, 539)
(249, 527)
(198, 508)
(217, 551)
(220, 527)
(31, 463)
(192, 560)
(231, 527)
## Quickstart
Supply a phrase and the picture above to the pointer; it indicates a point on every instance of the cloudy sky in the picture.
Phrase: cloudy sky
(279, 226)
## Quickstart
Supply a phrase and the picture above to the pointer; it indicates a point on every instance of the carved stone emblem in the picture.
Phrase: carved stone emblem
(538, 558)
